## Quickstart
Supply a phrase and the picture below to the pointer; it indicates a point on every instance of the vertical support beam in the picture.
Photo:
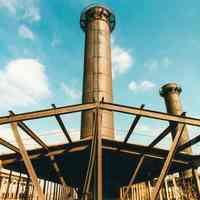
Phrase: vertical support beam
(99, 167)
(149, 189)
(54, 191)
(8, 185)
(26, 193)
(90, 169)
(168, 161)
(166, 190)
(17, 189)
(27, 161)
(196, 180)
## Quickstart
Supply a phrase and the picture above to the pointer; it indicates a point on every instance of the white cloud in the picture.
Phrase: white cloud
(71, 92)
(142, 86)
(25, 32)
(154, 64)
(23, 83)
(10, 5)
(122, 60)
(23, 9)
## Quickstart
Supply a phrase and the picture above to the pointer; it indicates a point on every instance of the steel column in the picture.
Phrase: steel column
(167, 163)
(27, 161)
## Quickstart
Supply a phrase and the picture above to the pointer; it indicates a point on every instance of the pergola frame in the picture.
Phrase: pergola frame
(95, 161)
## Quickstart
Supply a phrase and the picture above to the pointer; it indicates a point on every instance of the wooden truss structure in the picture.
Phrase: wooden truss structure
(90, 164)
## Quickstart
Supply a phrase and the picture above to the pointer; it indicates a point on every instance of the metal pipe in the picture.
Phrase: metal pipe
(97, 22)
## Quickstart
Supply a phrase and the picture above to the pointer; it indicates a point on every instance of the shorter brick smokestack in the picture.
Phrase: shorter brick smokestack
(171, 94)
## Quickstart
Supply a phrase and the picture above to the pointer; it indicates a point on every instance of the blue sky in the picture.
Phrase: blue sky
(41, 59)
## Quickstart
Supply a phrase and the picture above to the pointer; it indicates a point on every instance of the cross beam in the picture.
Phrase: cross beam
(150, 114)
(189, 143)
(133, 125)
(47, 113)
(29, 132)
(105, 106)
(9, 146)
(62, 126)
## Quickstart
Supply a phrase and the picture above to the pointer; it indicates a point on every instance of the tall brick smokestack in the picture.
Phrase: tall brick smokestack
(97, 22)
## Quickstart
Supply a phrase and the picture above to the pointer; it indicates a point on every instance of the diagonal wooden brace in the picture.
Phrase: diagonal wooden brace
(27, 161)
(168, 161)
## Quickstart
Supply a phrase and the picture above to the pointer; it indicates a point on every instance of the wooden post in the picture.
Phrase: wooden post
(166, 189)
(8, 185)
(197, 181)
(27, 161)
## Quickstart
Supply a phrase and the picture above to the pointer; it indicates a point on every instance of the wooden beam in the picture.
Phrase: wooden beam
(168, 161)
(161, 136)
(62, 126)
(106, 106)
(150, 114)
(9, 146)
(27, 161)
(99, 160)
(107, 144)
(196, 180)
(29, 132)
(133, 125)
(189, 143)
(47, 113)
(90, 168)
